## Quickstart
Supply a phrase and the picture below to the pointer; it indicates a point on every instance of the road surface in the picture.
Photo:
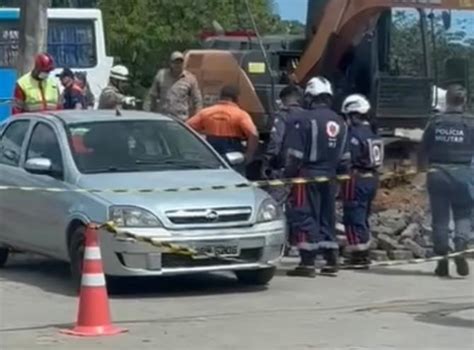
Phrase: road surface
(395, 308)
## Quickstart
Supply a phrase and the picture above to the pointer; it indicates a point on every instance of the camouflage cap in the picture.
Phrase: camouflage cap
(175, 56)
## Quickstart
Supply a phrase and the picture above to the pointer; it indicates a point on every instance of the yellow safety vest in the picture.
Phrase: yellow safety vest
(39, 95)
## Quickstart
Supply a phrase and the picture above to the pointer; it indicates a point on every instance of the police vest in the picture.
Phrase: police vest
(450, 139)
(367, 149)
(39, 95)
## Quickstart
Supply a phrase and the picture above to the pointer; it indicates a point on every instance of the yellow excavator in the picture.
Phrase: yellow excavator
(349, 42)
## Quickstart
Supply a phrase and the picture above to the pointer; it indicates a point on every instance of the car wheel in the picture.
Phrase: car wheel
(4, 252)
(259, 277)
(76, 255)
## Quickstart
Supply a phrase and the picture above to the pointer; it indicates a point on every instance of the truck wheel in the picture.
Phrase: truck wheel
(259, 277)
(76, 255)
(4, 252)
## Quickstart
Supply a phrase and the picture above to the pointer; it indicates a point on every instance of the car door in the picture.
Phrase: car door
(47, 211)
(12, 144)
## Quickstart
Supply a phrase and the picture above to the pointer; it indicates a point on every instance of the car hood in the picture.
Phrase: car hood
(160, 202)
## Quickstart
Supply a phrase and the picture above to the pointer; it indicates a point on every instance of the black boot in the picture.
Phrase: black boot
(358, 261)
(442, 270)
(462, 266)
(306, 267)
(364, 259)
(332, 262)
(302, 271)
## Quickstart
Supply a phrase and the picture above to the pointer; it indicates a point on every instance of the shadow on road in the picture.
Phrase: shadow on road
(179, 286)
(395, 272)
(53, 277)
(48, 275)
(402, 272)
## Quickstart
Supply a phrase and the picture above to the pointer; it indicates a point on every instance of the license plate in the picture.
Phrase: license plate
(223, 249)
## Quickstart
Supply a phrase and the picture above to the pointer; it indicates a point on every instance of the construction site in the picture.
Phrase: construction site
(139, 202)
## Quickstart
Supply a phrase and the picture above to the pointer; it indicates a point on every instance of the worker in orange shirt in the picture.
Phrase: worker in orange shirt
(226, 125)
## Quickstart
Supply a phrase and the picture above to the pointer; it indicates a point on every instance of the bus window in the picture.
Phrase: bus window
(72, 43)
(9, 43)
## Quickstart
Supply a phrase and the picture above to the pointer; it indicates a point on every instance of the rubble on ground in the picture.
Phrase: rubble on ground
(400, 223)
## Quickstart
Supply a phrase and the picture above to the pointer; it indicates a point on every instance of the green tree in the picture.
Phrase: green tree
(406, 48)
(142, 33)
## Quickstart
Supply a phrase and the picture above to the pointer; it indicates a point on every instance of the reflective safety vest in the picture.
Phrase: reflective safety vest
(39, 95)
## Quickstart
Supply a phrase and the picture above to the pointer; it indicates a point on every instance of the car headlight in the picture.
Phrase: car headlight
(133, 217)
(269, 211)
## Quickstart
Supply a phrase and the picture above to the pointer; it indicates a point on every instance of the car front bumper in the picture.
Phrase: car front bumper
(260, 246)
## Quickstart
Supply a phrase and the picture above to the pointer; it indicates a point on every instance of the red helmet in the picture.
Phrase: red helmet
(44, 62)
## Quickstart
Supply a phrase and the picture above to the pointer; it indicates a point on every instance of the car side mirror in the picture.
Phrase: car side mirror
(39, 166)
(10, 155)
(235, 158)
(447, 19)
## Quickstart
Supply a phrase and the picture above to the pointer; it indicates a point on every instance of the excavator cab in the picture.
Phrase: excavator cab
(347, 41)
(351, 43)
(400, 99)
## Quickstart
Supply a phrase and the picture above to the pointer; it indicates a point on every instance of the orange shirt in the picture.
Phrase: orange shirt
(225, 119)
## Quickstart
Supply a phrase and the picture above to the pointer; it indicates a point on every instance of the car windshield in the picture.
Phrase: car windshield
(133, 146)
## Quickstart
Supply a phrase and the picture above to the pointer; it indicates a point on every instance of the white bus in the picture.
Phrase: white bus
(75, 39)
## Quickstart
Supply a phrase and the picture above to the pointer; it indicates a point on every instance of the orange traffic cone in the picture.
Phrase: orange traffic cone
(94, 314)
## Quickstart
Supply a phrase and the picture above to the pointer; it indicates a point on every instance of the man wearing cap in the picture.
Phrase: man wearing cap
(175, 91)
(72, 96)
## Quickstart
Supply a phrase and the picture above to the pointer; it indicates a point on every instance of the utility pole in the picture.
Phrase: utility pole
(33, 32)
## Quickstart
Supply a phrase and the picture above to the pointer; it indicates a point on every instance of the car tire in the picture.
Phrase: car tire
(76, 255)
(259, 277)
(4, 252)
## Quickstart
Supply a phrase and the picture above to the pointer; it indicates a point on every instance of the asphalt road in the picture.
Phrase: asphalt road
(396, 308)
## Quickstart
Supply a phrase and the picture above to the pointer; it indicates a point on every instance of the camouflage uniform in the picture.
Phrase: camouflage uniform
(110, 98)
(179, 97)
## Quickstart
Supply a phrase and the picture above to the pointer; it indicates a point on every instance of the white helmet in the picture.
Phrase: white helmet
(119, 72)
(356, 104)
(318, 86)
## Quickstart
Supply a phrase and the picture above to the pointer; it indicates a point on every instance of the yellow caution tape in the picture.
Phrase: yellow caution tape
(409, 261)
(183, 250)
(168, 247)
(244, 185)
(165, 247)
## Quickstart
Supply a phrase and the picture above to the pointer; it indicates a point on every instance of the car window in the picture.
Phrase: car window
(44, 144)
(145, 145)
(11, 142)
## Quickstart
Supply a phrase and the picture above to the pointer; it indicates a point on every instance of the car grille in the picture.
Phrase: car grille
(168, 260)
(209, 216)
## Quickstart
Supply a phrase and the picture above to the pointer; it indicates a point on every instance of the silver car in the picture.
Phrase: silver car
(240, 229)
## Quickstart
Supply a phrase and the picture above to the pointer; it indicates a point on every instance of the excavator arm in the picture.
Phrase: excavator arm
(349, 20)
